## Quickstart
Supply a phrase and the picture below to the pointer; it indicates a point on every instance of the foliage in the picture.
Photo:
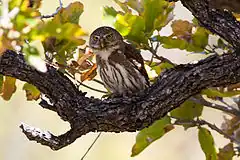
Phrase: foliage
(207, 143)
(148, 135)
(59, 39)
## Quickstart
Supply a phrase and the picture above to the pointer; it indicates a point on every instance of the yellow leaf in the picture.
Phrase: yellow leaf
(237, 16)
(32, 93)
(8, 87)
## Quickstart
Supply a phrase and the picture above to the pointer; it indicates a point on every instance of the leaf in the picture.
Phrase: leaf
(90, 74)
(182, 29)
(200, 38)
(207, 143)
(153, 10)
(70, 14)
(213, 93)
(33, 57)
(35, 4)
(187, 111)
(136, 5)
(131, 27)
(169, 42)
(226, 153)
(159, 67)
(84, 57)
(109, 15)
(32, 93)
(148, 135)
(123, 6)
(1, 82)
(8, 87)
(109, 11)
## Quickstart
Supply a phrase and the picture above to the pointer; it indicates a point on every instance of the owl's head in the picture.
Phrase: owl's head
(104, 38)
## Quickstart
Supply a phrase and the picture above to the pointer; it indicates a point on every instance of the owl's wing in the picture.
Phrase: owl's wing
(134, 56)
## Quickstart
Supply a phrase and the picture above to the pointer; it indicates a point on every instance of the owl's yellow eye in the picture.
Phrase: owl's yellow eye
(109, 36)
(95, 38)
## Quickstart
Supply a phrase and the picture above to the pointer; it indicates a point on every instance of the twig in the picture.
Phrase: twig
(95, 140)
(84, 85)
(154, 52)
(96, 80)
(94, 89)
(56, 12)
(201, 100)
(220, 99)
(201, 122)
(80, 83)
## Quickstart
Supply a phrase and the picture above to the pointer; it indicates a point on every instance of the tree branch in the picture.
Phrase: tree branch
(229, 110)
(55, 13)
(85, 115)
(218, 21)
(201, 122)
(171, 89)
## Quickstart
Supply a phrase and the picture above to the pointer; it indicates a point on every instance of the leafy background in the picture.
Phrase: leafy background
(179, 144)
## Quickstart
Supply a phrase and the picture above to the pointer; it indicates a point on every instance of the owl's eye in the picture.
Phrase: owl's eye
(95, 38)
(109, 36)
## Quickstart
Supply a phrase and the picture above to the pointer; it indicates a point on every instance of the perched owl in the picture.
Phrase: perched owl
(120, 65)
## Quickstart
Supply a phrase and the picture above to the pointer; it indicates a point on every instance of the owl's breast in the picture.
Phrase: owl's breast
(119, 78)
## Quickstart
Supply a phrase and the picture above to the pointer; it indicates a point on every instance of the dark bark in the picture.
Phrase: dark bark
(133, 113)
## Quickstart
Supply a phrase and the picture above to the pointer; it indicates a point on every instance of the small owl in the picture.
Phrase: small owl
(120, 65)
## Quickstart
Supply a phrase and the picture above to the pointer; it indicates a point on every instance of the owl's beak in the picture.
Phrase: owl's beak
(102, 43)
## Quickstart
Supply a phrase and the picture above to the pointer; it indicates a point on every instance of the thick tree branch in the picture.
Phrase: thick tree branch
(133, 113)
(85, 115)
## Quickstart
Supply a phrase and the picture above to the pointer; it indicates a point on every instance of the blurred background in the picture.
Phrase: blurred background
(175, 145)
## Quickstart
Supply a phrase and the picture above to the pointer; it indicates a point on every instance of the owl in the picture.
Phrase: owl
(120, 65)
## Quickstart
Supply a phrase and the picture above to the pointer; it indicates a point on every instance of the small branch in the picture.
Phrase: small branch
(56, 12)
(43, 137)
(155, 55)
(95, 140)
(201, 100)
(84, 85)
(48, 139)
(199, 122)
(45, 105)
(94, 89)
(97, 81)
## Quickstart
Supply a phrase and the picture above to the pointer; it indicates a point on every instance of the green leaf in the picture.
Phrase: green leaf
(217, 93)
(200, 38)
(168, 42)
(131, 27)
(32, 93)
(226, 153)
(123, 6)
(153, 10)
(159, 67)
(109, 15)
(148, 135)
(70, 14)
(207, 143)
(136, 5)
(109, 11)
(187, 111)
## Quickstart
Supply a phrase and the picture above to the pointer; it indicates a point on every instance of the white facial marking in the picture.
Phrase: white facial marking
(104, 54)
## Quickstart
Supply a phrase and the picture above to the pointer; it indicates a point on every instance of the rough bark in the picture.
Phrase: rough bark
(133, 113)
